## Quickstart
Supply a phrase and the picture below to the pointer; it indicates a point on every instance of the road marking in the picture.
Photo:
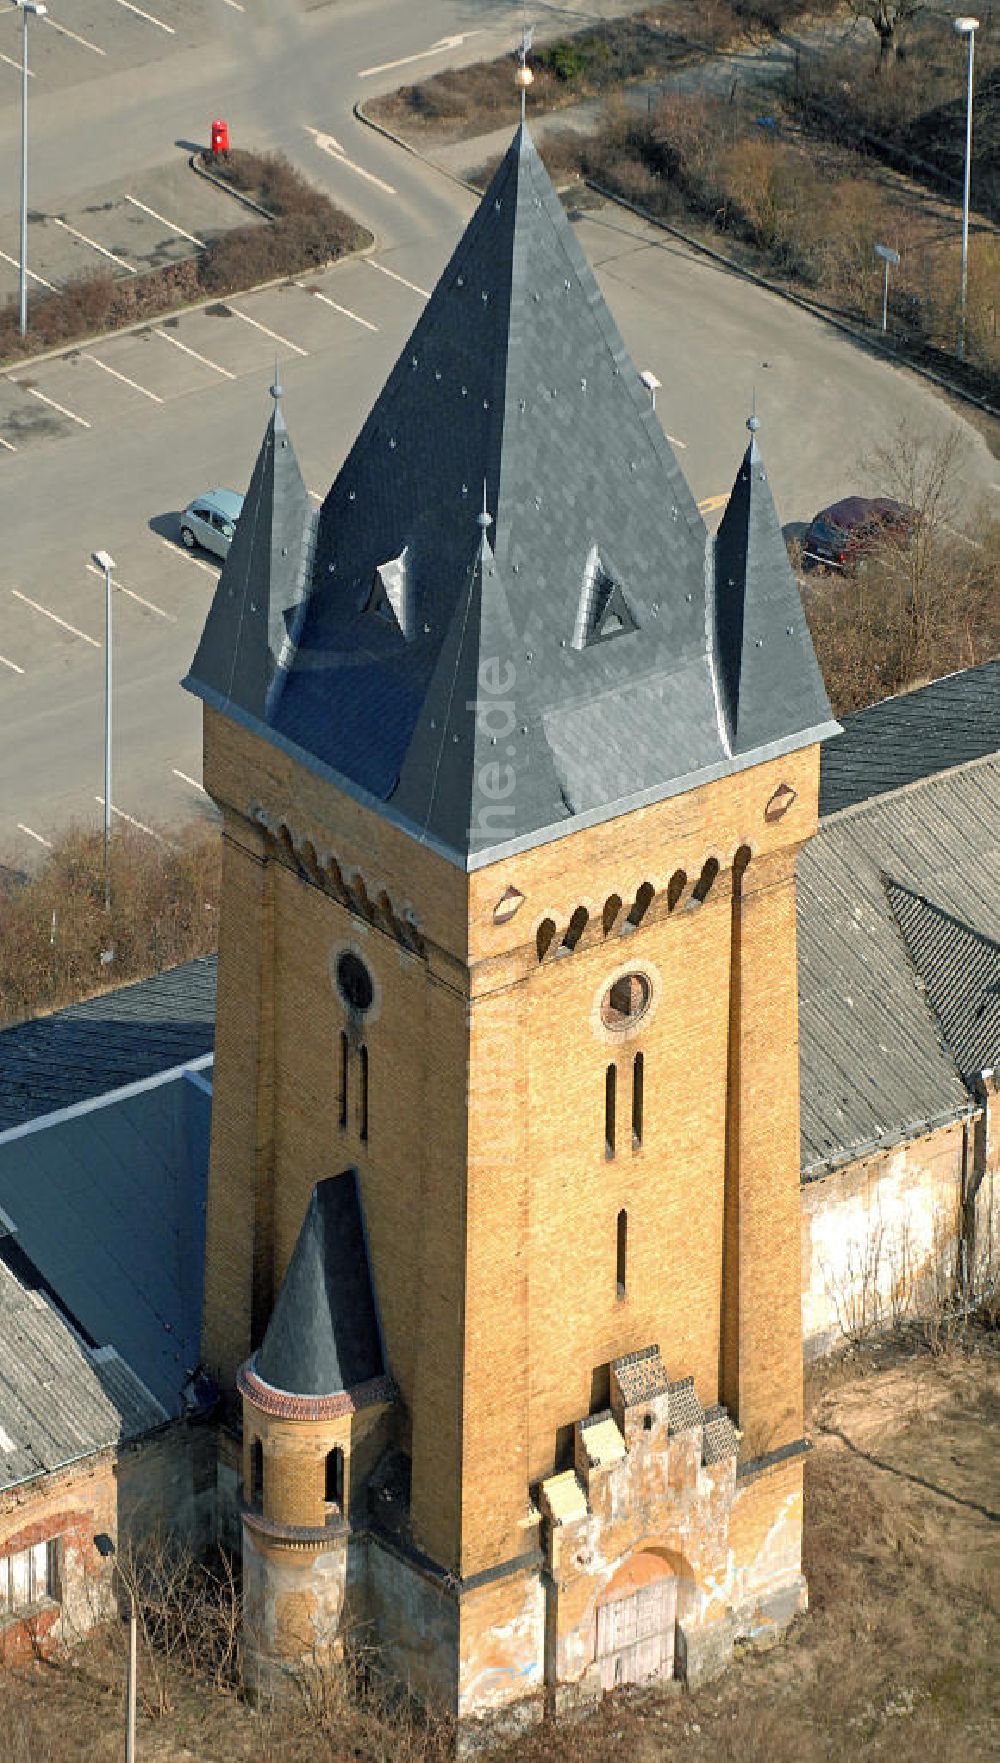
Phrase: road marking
(11, 664)
(974, 544)
(327, 144)
(8, 444)
(710, 503)
(235, 4)
(172, 224)
(318, 294)
(167, 338)
(17, 66)
(44, 398)
(674, 442)
(64, 31)
(94, 644)
(437, 48)
(113, 371)
(92, 243)
(138, 824)
(423, 292)
(193, 781)
(122, 589)
(178, 551)
(316, 496)
(32, 277)
(275, 338)
(148, 16)
(33, 835)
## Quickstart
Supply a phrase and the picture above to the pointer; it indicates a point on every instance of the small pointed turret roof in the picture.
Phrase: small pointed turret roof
(769, 681)
(323, 1336)
(490, 695)
(252, 621)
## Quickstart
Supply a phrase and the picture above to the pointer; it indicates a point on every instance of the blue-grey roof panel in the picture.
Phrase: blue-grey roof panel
(900, 740)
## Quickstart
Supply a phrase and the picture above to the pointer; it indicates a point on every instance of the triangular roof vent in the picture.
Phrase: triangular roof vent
(603, 611)
(390, 595)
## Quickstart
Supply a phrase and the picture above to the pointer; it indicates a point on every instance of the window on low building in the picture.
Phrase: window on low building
(28, 1577)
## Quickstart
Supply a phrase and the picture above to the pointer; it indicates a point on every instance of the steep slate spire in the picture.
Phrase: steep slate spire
(766, 670)
(323, 1336)
(253, 617)
(563, 672)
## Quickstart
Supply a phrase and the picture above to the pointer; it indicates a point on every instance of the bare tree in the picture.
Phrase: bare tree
(891, 19)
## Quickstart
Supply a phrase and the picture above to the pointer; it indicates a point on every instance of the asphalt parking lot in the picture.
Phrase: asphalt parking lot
(101, 447)
(87, 39)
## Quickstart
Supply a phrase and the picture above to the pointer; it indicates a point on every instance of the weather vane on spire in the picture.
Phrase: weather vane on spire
(524, 75)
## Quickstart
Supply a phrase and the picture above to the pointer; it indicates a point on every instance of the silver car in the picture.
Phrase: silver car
(211, 521)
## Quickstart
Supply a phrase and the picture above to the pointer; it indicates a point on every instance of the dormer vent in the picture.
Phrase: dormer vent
(603, 611)
(391, 598)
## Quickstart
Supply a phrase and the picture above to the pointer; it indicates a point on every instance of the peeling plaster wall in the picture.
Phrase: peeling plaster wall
(416, 1624)
(293, 1599)
(874, 1233)
(502, 1653)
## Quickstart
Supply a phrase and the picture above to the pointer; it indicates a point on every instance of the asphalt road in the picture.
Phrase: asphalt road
(100, 448)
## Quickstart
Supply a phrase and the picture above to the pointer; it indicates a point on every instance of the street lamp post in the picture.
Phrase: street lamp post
(966, 27)
(106, 1549)
(26, 7)
(107, 563)
(888, 255)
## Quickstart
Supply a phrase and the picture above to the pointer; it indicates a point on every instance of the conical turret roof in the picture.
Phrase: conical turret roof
(491, 695)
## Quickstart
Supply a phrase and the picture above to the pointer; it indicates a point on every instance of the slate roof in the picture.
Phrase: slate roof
(323, 1336)
(899, 963)
(60, 1398)
(946, 723)
(104, 1043)
(489, 689)
(107, 1200)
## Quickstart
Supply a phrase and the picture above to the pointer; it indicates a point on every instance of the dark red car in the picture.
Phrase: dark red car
(838, 537)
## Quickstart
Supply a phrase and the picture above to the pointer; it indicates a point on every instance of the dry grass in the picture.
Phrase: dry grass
(305, 232)
(53, 926)
(893, 1664)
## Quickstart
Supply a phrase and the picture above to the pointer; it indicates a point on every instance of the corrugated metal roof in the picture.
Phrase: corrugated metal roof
(60, 1399)
(107, 1201)
(888, 1021)
(900, 740)
(104, 1043)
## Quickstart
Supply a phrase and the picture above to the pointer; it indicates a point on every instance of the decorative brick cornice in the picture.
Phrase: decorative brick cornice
(283, 1405)
(295, 1536)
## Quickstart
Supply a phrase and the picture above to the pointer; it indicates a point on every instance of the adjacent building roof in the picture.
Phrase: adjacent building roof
(514, 621)
(107, 1199)
(323, 1336)
(893, 743)
(61, 1398)
(119, 1038)
(899, 963)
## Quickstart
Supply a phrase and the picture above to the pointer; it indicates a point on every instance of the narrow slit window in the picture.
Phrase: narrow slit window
(345, 1066)
(363, 1098)
(335, 1477)
(638, 1064)
(610, 1088)
(621, 1256)
(256, 1473)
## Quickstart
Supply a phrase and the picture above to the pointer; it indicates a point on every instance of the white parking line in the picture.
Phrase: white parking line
(235, 4)
(148, 16)
(167, 338)
(423, 292)
(177, 551)
(318, 294)
(275, 338)
(963, 538)
(17, 66)
(122, 589)
(8, 444)
(32, 277)
(44, 398)
(115, 375)
(92, 243)
(315, 495)
(94, 644)
(33, 835)
(674, 442)
(193, 781)
(64, 31)
(11, 664)
(138, 824)
(172, 224)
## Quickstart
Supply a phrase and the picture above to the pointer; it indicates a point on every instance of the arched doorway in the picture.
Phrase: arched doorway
(637, 1621)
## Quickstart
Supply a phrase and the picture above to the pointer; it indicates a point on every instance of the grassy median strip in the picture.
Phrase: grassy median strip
(305, 232)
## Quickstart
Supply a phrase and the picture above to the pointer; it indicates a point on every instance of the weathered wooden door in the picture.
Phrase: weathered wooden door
(635, 1634)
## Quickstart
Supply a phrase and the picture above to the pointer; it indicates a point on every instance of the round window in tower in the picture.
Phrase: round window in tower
(626, 1000)
(354, 982)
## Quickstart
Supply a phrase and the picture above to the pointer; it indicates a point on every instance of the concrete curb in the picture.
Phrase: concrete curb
(227, 189)
(415, 153)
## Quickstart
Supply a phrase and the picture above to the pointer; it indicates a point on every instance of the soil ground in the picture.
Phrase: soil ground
(895, 1659)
